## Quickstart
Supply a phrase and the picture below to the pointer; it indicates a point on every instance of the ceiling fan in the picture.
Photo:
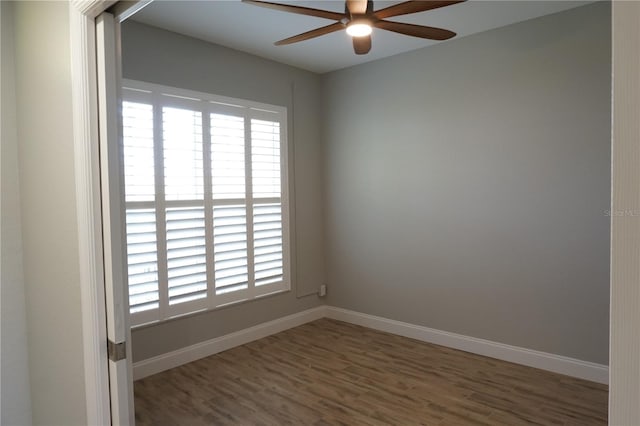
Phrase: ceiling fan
(359, 18)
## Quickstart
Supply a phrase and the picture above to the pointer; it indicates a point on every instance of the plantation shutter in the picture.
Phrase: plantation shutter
(205, 190)
(267, 211)
(142, 257)
(228, 179)
(139, 178)
(184, 199)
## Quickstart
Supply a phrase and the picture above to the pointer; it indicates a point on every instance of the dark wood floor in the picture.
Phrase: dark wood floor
(333, 373)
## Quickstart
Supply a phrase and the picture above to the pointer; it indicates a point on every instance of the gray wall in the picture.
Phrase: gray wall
(48, 212)
(466, 185)
(159, 56)
(14, 388)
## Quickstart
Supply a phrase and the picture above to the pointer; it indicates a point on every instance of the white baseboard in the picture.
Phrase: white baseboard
(558, 364)
(192, 353)
(545, 361)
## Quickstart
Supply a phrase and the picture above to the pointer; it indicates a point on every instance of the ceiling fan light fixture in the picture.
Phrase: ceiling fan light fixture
(359, 28)
(360, 17)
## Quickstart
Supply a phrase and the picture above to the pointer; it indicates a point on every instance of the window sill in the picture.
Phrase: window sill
(205, 311)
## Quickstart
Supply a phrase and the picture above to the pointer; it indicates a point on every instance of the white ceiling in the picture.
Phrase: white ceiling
(253, 29)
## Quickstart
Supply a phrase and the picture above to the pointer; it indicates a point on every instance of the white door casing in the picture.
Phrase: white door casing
(88, 206)
(113, 225)
(85, 135)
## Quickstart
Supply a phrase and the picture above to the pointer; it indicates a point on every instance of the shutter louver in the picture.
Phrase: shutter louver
(186, 254)
(230, 248)
(142, 260)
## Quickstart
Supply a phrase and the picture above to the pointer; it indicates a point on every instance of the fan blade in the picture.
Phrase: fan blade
(362, 45)
(357, 7)
(298, 9)
(312, 34)
(415, 30)
(412, 7)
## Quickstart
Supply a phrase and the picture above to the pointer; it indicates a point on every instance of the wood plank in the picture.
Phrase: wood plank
(329, 373)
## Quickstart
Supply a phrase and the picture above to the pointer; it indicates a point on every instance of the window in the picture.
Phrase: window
(205, 186)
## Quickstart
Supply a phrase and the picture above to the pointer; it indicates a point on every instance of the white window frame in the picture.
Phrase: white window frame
(160, 96)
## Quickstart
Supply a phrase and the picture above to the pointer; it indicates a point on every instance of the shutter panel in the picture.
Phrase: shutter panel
(267, 218)
(229, 221)
(185, 227)
(182, 145)
(137, 132)
(142, 259)
(139, 179)
(227, 157)
(230, 248)
(186, 254)
(267, 231)
(265, 159)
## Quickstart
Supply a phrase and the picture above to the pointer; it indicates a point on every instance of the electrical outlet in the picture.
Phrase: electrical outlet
(323, 290)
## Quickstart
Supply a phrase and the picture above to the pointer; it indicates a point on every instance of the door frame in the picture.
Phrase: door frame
(88, 206)
(624, 300)
(84, 76)
(625, 276)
